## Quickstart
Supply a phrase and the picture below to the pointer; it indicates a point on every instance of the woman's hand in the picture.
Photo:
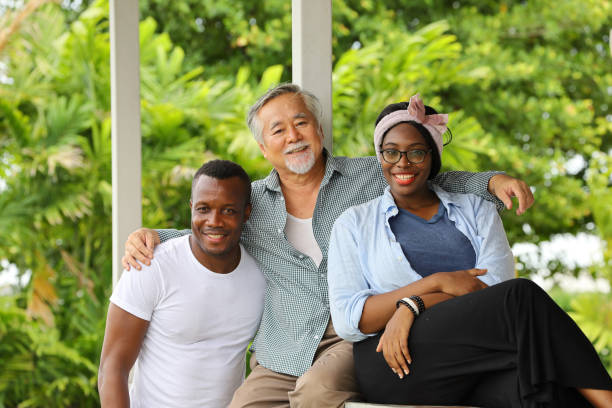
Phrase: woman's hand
(394, 341)
(139, 248)
(459, 283)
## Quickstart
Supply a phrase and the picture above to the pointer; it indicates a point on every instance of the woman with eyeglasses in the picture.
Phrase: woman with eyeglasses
(422, 281)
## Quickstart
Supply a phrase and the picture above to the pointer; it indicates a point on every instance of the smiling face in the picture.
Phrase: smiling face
(405, 179)
(292, 137)
(218, 210)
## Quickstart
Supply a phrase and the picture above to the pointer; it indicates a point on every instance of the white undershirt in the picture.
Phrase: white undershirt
(299, 234)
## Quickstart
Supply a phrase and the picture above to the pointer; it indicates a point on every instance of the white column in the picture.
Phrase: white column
(125, 116)
(312, 54)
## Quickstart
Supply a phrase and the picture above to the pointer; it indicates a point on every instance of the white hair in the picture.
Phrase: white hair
(310, 100)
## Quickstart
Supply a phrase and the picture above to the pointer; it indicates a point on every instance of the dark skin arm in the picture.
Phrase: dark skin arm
(122, 341)
(394, 341)
(378, 309)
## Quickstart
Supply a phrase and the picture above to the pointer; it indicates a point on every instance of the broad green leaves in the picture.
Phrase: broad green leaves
(593, 312)
(527, 86)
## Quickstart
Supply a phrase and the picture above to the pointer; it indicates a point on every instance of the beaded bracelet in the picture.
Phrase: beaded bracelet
(406, 302)
(419, 302)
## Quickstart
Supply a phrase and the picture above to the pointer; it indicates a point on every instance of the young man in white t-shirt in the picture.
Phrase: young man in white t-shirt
(187, 319)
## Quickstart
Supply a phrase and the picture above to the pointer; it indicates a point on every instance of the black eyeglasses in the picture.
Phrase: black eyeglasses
(393, 156)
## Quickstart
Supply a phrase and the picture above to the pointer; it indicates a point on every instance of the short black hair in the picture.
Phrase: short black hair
(436, 161)
(224, 169)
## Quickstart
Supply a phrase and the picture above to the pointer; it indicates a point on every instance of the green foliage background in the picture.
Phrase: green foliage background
(528, 86)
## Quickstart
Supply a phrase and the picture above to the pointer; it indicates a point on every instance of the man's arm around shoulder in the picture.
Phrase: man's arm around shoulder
(141, 244)
(492, 186)
(122, 341)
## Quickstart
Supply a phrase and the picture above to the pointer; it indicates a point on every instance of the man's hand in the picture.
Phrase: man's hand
(460, 283)
(505, 187)
(394, 341)
(139, 248)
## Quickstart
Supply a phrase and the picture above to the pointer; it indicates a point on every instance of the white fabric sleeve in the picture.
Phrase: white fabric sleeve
(139, 292)
(348, 288)
(494, 254)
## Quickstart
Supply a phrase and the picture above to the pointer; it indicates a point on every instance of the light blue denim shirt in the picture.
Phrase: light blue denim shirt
(365, 259)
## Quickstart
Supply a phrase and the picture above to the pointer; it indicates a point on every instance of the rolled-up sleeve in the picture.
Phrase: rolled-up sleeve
(466, 182)
(167, 234)
(495, 254)
(348, 287)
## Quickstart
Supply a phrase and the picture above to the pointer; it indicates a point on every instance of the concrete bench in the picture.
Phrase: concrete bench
(368, 405)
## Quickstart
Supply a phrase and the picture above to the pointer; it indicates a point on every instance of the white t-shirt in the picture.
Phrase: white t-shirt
(299, 234)
(193, 354)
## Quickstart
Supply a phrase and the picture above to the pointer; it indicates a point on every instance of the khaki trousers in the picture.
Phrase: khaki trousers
(329, 382)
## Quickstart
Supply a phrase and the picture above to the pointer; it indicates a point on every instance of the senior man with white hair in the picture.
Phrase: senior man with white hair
(299, 360)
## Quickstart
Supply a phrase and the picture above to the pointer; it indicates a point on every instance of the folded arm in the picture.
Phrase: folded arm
(394, 341)
(380, 312)
(433, 289)
(495, 264)
(356, 309)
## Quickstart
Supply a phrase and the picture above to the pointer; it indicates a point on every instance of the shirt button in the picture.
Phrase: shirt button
(316, 337)
(322, 275)
(281, 198)
(279, 230)
(301, 256)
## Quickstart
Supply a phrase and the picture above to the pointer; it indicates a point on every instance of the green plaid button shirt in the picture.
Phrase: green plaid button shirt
(296, 310)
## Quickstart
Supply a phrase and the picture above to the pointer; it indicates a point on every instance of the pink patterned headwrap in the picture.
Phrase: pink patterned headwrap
(435, 124)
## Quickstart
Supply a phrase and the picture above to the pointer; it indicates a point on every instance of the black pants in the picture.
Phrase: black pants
(508, 345)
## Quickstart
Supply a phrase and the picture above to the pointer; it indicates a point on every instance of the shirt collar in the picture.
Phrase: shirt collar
(389, 207)
(387, 200)
(272, 181)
